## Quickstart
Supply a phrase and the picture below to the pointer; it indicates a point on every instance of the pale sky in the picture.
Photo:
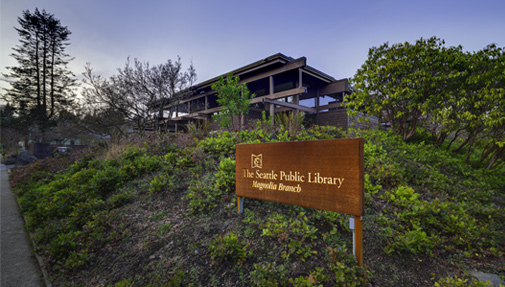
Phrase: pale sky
(221, 35)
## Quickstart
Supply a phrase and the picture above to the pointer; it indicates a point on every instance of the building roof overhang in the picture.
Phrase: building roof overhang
(278, 58)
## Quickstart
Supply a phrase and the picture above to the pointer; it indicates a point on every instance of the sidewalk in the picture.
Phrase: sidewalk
(18, 265)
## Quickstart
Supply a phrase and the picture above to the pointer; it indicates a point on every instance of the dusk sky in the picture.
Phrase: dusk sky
(219, 36)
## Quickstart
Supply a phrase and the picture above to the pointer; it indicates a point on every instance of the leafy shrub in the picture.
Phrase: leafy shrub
(370, 190)
(341, 270)
(203, 196)
(322, 132)
(419, 225)
(268, 274)
(107, 180)
(228, 247)
(456, 282)
(198, 129)
(297, 234)
(225, 176)
(344, 270)
(220, 144)
(159, 182)
(381, 168)
(292, 122)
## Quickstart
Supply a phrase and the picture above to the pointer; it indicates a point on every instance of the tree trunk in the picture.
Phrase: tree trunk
(494, 161)
(486, 151)
(455, 137)
(37, 64)
(53, 52)
(44, 76)
(463, 144)
(441, 138)
(469, 151)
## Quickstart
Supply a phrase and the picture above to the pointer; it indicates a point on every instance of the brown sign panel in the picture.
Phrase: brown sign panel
(322, 174)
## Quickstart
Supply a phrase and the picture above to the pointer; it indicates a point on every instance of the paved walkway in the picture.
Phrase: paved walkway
(19, 266)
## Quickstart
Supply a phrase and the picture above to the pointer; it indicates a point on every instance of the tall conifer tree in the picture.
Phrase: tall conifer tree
(41, 82)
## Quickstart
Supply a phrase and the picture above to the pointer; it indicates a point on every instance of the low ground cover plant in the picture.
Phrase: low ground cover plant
(161, 211)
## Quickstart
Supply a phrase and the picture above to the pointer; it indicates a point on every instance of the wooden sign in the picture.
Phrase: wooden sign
(321, 174)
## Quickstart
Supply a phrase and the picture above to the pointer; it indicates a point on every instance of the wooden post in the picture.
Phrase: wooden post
(358, 240)
(240, 204)
(271, 92)
(300, 77)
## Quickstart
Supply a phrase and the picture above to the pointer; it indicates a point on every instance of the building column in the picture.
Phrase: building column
(271, 91)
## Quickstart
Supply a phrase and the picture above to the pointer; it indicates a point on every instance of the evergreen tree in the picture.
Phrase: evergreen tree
(41, 83)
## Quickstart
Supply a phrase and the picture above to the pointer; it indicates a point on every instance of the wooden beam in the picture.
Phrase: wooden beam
(317, 76)
(182, 101)
(302, 62)
(329, 106)
(241, 71)
(282, 94)
(299, 63)
(210, 111)
(335, 87)
(290, 105)
(259, 67)
(278, 95)
(197, 115)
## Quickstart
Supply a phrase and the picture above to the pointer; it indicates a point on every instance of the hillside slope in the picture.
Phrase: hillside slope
(161, 211)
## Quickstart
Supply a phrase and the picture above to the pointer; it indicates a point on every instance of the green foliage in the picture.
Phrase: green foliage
(228, 247)
(431, 211)
(426, 88)
(296, 233)
(123, 283)
(225, 176)
(292, 121)
(234, 100)
(41, 84)
(268, 274)
(370, 190)
(420, 199)
(198, 129)
(419, 225)
(203, 196)
(405, 81)
(159, 183)
(341, 270)
(381, 168)
(220, 145)
(62, 211)
(457, 282)
(164, 229)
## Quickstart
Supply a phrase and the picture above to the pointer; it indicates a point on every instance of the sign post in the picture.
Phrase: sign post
(240, 204)
(321, 174)
(357, 238)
